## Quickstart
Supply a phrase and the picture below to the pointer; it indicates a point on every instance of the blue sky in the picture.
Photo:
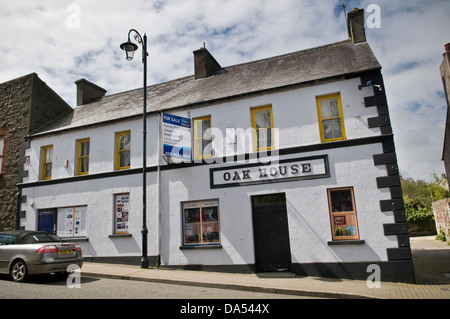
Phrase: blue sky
(63, 41)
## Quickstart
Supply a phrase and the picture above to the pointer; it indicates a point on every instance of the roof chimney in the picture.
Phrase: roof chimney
(447, 49)
(355, 25)
(88, 92)
(204, 64)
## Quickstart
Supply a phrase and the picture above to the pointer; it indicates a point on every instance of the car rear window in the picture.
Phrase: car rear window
(45, 238)
(40, 238)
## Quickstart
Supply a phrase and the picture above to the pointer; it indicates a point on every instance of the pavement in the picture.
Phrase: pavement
(431, 260)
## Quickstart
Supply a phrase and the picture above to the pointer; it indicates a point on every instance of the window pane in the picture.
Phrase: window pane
(2, 141)
(341, 201)
(334, 107)
(84, 165)
(324, 107)
(337, 132)
(206, 145)
(327, 129)
(84, 148)
(210, 225)
(48, 170)
(125, 159)
(266, 118)
(262, 133)
(192, 226)
(48, 155)
(344, 225)
(124, 143)
(259, 119)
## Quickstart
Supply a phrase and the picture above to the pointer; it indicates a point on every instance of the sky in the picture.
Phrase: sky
(63, 41)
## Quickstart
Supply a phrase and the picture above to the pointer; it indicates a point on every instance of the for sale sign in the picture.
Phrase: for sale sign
(176, 134)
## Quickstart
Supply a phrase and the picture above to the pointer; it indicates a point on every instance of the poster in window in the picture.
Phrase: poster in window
(71, 222)
(122, 207)
(201, 223)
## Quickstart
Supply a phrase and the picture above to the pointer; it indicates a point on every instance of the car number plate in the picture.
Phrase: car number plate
(65, 251)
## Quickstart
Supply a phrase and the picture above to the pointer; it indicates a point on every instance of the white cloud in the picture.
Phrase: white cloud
(39, 36)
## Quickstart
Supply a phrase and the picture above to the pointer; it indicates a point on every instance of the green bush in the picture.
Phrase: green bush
(441, 235)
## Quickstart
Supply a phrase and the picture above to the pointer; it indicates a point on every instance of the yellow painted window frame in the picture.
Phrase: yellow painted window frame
(345, 213)
(198, 154)
(119, 151)
(44, 163)
(341, 117)
(256, 147)
(82, 157)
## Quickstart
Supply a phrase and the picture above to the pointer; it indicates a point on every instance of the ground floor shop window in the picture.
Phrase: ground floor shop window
(201, 223)
(71, 222)
(121, 213)
(343, 213)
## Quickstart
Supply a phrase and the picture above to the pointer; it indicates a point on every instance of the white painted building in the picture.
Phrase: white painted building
(299, 170)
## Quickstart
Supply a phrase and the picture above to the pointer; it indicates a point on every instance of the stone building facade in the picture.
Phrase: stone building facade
(26, 105)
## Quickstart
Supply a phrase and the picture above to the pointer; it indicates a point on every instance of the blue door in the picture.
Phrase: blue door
(47, 220)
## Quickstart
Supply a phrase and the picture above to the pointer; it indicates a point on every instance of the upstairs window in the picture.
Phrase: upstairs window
(46, 162)
(123, 147)
(202, 138)
(83, 156)
(331, 119)
(262, 123)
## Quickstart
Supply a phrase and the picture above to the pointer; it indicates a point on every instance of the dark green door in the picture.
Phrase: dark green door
(271, 233)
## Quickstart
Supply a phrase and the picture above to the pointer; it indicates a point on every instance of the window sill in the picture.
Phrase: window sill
(69, 239)
(201, 247)
(346, 242)
(119, 235)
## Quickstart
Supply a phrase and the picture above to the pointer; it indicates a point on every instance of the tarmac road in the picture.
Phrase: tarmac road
(52, 287)
(431, 259)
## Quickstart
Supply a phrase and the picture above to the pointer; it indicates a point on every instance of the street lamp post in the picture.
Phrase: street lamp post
(129, 48)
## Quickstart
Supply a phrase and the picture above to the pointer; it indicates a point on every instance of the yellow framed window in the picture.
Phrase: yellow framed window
(331, 118)
(83, 156)
(262, 123)
(46, 162)
(342, 208)
(123, 148)
(202, 138)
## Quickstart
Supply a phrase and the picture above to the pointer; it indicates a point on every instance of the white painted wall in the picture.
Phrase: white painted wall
(294, 113)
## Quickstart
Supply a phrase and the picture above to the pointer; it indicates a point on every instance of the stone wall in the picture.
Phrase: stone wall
(15, 105)
(26, 105)
(442, 216)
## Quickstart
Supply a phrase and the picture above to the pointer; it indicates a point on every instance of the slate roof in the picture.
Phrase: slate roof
(306, 66)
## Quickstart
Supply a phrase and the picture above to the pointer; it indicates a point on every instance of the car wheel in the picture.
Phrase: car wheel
(18, 271)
